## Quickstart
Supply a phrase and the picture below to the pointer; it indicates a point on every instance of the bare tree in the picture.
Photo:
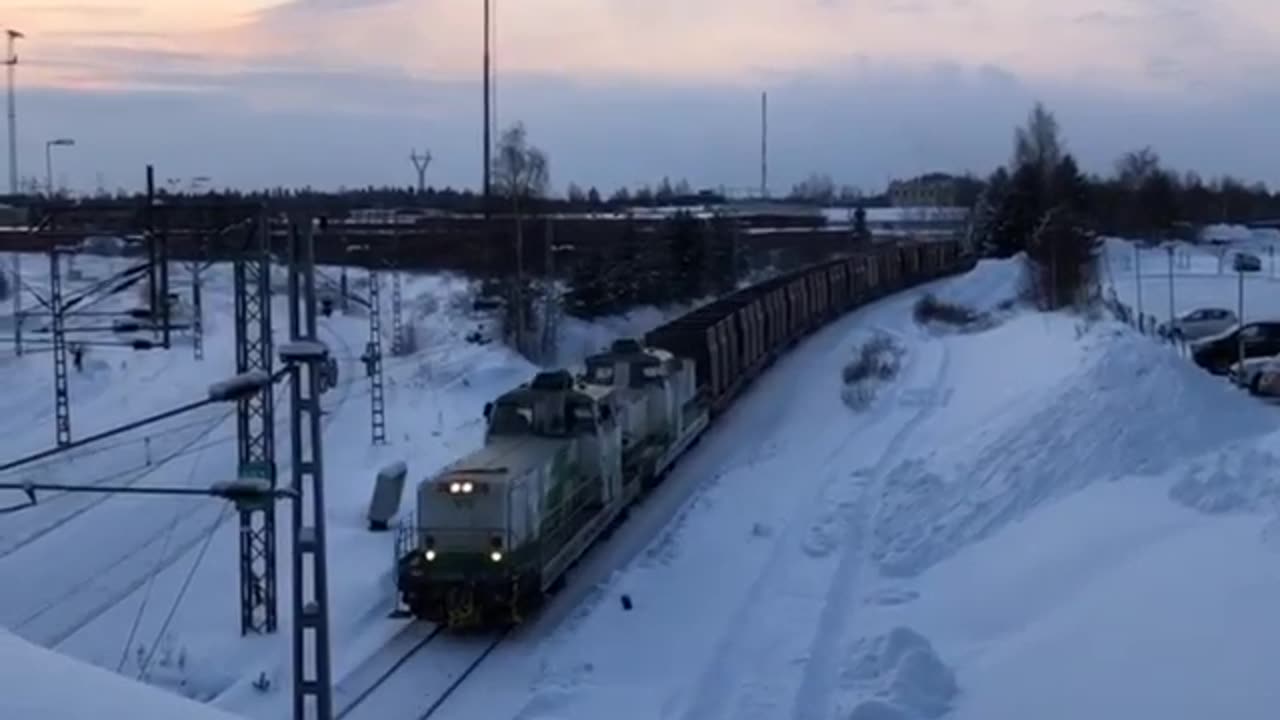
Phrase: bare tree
(521, 173)
(1038, 144)
(1135, 167)
(815, 188)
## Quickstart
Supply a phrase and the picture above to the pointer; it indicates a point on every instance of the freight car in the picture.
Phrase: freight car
(566, 455)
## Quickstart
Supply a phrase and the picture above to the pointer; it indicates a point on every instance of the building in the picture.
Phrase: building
(930, 190)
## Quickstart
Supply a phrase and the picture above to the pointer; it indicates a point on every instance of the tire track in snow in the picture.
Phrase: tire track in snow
(736, 684)
(814, 697)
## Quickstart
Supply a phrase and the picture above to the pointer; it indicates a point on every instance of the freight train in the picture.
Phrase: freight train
(568, 453)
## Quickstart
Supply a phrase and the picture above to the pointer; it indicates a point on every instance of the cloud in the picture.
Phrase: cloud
(336, 91)
(81, 10)
(864, 126)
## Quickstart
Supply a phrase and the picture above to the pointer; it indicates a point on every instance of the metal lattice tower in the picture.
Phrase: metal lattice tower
(17, 303)
(197, 313)
(305, 355)
(255, 433)
(397, 321)
(373, 356)
(61, 400)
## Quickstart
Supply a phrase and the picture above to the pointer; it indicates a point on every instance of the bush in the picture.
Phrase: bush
(930, 309)
(877, 361)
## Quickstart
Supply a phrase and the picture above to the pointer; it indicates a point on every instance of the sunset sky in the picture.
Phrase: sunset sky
(334, 92)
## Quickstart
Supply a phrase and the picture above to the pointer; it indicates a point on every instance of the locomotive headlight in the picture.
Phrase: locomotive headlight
(467, 487)
(455, 488)
(496, 556)
(430, 555)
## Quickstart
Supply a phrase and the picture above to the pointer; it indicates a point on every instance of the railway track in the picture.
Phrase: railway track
(49, 628)
(413, 676)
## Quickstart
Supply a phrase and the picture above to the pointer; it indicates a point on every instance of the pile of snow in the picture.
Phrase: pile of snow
(1225, 233)
(904, 676)
(1131, 407)
(991, 285)
(39, 683)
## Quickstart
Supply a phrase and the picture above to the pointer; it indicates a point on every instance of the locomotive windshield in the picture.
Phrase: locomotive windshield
(510, 418)
(600, 373)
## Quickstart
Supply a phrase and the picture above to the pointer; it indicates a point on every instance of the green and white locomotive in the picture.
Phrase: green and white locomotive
(563, 457)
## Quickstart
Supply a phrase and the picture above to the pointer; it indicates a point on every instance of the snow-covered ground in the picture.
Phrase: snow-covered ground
(1048, 518)
(146, 586)
(39, 683)
(1045, 517)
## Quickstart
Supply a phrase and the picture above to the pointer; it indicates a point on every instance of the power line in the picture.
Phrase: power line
(186, 584)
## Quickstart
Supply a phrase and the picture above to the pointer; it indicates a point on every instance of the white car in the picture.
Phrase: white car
(1203, 322)
(1250, 375)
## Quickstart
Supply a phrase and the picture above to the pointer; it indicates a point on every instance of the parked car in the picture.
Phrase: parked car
(1249, 373)
(1219, 352)
(1268, 383)
(1202, 322)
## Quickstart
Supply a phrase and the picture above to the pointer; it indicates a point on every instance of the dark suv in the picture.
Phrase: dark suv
(1218, 353)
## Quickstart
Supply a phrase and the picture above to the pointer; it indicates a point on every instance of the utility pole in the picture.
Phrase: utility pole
(488, 143)
(197, 312)
(61, 399)
(397, 319)
(255, 431)
(152, 256)
(305, 357)
(11, 63)
(163, 257)
(764, 145)
(420, 163)
(373, 361)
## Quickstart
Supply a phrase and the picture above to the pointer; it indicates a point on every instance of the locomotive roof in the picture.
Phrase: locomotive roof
(527, 393)
(503, 459)
(632, 351)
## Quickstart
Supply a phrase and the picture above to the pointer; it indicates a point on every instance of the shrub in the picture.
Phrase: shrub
(930, 309)
(878, 360)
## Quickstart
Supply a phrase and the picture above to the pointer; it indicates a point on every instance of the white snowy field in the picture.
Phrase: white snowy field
(1044, 518)
(1202, 276)
(146, 586)
(1047, 518)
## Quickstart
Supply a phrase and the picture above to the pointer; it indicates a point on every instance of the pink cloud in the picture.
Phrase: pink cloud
(1098, 42)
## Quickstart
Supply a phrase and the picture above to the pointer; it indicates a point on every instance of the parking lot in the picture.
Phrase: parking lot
(1201, 277)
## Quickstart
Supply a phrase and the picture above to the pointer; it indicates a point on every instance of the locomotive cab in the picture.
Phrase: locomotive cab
(489, 525)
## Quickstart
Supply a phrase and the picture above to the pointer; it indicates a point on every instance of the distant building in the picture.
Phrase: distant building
(930, 190)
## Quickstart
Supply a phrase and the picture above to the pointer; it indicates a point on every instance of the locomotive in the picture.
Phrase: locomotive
(567, 453)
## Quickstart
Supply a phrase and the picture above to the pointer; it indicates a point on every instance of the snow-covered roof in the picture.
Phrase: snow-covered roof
(41, 684)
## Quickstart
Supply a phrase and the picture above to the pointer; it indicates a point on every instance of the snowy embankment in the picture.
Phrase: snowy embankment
(41, 684)
(146, 587)
(1035, 518)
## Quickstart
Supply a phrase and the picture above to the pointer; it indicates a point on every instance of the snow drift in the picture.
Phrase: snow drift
(39, 683)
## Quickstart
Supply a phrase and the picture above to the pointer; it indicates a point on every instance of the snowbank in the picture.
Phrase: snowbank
(1225, 233)
(1130, 407)
(38, 683)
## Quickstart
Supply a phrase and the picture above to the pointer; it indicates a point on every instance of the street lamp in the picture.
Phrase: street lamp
(11, 62)
(48, 159)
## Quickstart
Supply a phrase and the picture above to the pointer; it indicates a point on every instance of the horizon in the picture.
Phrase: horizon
(257, 94)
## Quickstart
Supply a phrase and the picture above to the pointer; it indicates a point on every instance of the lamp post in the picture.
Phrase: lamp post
(48, 159)
(11, 62)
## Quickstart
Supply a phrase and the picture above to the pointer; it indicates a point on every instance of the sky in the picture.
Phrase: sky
(331, 93)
